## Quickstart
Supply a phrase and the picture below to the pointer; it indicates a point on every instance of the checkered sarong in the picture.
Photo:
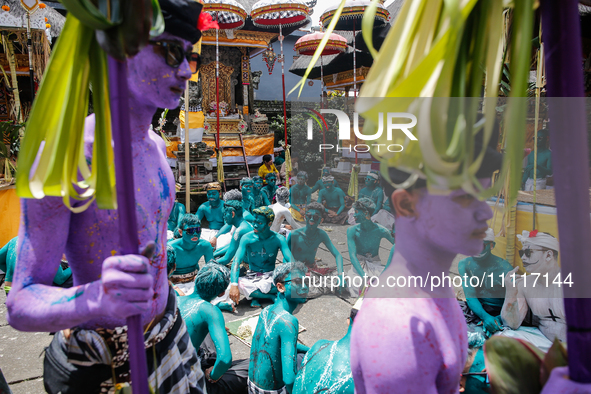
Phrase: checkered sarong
(253, 389)
(168, 344)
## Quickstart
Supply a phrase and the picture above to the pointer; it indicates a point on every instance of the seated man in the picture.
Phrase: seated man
(327, 365)
(483, 303)
(374, 192)
(363, 241)
(176, 215)
(273, 355)
(260, 198)
(282, 213)
(212, 211)
(189, 250)
(267, 166)
(299, 196)
(202, 318)
(246, 187)
(539, 253)
(333, 199)
(544, 164)
(63, 277)
(304, 241)
(319, 185)
(271, 186)
(258, 249)
(234, 218)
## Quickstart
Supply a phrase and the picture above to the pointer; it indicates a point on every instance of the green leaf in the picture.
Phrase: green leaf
(513, 366)
(89, 15)
(556, 357)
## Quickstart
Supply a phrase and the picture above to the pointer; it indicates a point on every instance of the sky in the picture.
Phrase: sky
(324, 4)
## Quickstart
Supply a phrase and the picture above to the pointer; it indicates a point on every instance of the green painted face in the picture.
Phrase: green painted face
(261, 224)
(313, 217)
(360, 216)
(369, 181)
(258, 184)
(247, 187)
(296, 289)
(213, 195)
(228, 215)
(192, 234)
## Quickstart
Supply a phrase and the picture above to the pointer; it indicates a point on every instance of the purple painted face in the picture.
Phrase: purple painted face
(152, 80)
(455, 223)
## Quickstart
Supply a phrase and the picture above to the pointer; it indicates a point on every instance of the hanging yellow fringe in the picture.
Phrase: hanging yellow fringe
(354, 182)
(220, 167)
(288, 167)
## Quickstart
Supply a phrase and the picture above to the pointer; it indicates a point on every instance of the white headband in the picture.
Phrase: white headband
(536, 238)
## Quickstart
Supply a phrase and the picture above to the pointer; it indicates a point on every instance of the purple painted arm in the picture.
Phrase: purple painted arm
(33, 305)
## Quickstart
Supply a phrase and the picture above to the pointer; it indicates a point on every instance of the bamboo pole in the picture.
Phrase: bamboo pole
(9, 50)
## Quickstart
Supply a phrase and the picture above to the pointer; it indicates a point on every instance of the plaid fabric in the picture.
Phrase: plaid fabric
(226, 18)
(172, 359)
(253, 389)
(281, 15)
(192, 109)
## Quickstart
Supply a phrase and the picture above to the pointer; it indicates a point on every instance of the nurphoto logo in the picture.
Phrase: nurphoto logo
(393, 123)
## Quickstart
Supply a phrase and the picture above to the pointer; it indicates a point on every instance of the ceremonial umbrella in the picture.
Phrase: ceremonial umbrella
(350, 20)
(229, 15)
(308, 44)
(269, 14)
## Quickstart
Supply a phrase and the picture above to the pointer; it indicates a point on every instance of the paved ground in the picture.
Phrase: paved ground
(325, 317)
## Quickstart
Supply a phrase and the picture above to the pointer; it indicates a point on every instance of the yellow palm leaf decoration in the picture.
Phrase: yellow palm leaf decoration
(445, 49)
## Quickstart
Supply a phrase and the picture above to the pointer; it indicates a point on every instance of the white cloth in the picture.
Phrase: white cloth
(282, 213)
(207, 234)
(372, 266)
(540, 184)
(224, 298)
(187, 288)
(384, 218)
(255, 281)
(529, 334)
(195, 135)
(225, 239)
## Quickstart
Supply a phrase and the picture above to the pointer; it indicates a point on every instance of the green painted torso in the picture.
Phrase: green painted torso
(265, 368)
(188, 260)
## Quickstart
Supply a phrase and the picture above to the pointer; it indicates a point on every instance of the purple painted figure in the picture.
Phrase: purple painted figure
(109, 287)
(422, 325)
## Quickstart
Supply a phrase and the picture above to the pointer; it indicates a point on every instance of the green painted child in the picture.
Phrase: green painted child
(299, 196)
(273, 355)
(303, 242)
(333, 199)
(202, 318)
(327, 366)
(189, 250)
(363, 241)
(259, 249)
